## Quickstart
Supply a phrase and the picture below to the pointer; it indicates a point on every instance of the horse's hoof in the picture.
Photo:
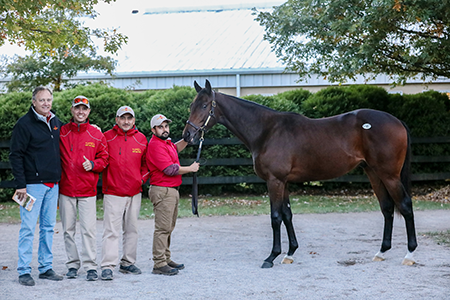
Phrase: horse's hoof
(287, 260)
(378, 257)
(408, 262)
(409, 259)
(267, 265)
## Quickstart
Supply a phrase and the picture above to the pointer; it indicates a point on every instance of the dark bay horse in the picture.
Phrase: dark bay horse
(288, 147)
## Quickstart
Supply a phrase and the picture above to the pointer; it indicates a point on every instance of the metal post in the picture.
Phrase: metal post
(238, 85)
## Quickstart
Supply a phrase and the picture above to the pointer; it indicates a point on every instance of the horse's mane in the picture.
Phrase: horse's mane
(265, 108)
(251, 103)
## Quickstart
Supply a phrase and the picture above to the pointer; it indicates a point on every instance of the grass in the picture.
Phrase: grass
(441, 237)
(249, 205)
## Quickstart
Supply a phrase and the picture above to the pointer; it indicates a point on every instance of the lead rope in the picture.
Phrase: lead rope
(194, 180)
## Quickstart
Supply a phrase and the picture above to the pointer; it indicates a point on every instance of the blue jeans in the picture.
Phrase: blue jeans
(45, 209)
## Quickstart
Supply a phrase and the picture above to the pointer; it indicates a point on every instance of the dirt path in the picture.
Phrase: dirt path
(223, 257)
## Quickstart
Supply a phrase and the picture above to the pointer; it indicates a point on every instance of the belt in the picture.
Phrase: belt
(169, 187)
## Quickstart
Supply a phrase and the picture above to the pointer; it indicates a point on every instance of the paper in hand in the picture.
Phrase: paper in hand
(27, 203)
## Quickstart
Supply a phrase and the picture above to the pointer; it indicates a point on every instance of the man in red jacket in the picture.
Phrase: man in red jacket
(122, 187)
(84, 155)
(165, 179)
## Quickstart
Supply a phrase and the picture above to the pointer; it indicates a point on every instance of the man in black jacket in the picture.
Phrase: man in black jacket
(36, 166)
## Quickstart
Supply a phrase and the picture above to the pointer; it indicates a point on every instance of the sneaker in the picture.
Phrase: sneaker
(92, 275)
(166, 270)
(50, 275)
(132, 269)
(174, 265)
(107, 274)
(26, 279)
(72, 273)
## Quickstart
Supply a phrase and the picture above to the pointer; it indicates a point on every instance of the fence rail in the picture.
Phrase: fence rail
(255, 179)
(345, 178)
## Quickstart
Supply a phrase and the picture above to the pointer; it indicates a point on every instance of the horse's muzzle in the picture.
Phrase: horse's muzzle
(189, 138)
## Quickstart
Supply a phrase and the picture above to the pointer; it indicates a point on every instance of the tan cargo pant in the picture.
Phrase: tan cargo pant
(165, 207)
(88, 226)
(120, 217)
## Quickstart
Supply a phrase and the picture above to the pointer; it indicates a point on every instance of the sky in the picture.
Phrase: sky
(177, 4)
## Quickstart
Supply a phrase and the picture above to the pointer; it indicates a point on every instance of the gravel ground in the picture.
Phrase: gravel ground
(223, 257)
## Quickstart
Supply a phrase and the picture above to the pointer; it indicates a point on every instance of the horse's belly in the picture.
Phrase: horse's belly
(322, 170)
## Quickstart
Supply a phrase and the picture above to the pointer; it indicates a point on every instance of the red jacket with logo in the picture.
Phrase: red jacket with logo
(77, 141)
(127, 168)
(160, 155)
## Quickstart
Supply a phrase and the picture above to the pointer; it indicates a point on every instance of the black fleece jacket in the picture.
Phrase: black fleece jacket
(34, 151)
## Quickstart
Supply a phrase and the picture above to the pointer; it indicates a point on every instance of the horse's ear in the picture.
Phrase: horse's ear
(197, 87)
(208, 87)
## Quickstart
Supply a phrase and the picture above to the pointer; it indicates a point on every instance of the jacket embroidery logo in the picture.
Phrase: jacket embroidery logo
(55, 128)
(136, 150)
(89, 144)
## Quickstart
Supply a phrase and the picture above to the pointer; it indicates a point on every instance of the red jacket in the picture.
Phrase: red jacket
(127, 168)
(77, 141)
(160, 155)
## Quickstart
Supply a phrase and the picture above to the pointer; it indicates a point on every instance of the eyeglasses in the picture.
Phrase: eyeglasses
(83, 100)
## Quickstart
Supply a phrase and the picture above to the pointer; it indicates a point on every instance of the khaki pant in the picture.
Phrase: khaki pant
(165, 207)
(88, 226)
(120, 217)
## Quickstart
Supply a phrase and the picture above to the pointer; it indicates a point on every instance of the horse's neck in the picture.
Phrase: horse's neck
(244, 119)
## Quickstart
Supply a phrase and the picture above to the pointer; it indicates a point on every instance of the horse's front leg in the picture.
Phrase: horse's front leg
(275, 188)
(287, 220)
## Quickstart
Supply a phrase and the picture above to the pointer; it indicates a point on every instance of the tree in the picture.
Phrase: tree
(55, 70)
(341, 39)
(61, 45)
(46, 25)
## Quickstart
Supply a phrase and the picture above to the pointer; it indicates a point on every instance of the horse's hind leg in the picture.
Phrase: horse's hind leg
(404, 205)
(287, 220)
(275, 189)
(387, 206)
(391, 193)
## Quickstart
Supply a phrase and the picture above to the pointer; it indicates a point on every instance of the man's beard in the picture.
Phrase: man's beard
(164, 135)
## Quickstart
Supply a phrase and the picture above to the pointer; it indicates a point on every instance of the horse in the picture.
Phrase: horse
(289, 147)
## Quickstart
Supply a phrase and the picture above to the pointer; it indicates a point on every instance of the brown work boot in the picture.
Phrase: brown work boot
(174, 265)
(166, 270)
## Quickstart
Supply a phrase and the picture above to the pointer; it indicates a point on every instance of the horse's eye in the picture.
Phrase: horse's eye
(204, 105)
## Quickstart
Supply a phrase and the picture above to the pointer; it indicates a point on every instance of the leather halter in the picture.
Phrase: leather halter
(203, 127)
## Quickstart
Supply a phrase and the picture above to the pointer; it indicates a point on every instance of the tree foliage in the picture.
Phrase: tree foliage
(341, 39)
(53, 70)
(46, 25)
(60, 45)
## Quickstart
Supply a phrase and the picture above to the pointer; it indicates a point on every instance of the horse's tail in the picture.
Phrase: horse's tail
(405, 174)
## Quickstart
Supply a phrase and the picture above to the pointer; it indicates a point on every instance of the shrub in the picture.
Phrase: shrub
(297, 96)
(426, 114)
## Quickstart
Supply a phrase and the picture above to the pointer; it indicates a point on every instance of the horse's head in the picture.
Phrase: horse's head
(202, 115)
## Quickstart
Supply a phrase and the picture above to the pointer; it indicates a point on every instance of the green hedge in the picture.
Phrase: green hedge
(426, 114)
